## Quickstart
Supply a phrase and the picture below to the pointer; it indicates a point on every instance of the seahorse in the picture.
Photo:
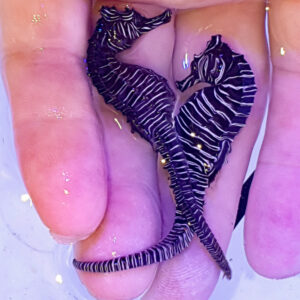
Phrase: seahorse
(210, 119)
(147, 101)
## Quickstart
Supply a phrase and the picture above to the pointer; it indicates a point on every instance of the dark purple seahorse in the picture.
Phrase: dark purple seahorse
(145, 98)
(147, 101)
(211, 118)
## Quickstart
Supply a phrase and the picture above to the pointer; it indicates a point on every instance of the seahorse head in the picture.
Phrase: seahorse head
(120, 29)
(211, 65)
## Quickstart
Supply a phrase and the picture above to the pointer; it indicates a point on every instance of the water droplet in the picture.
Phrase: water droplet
(59, 279)
(25, 198)
(163, 161)
(118, 123)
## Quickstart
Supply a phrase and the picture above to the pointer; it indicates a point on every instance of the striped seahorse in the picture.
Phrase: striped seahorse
(210, 119)
(147, 101)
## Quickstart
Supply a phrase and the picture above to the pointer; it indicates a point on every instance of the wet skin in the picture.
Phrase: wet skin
(272, 222)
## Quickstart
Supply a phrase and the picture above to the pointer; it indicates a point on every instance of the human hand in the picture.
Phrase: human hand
(81, 159)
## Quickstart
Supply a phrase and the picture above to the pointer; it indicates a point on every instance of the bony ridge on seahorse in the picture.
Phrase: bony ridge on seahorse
(147, 101)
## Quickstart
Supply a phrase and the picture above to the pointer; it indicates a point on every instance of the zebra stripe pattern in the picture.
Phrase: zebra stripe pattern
(211, 118)
(147, 101)
(145, 98)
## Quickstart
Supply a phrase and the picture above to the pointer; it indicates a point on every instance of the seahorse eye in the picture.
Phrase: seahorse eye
(216, 67)
(99, 27)
(194, 66)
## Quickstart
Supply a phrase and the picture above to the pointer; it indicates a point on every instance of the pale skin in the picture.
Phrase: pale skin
(98, 184)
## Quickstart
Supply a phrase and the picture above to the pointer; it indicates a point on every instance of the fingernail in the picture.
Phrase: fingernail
(62, 239)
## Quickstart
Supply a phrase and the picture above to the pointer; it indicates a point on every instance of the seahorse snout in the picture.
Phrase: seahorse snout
(151, 23)
(187, 82)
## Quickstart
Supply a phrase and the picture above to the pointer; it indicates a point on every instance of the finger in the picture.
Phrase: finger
(132, 222)
(193, 274)
(272, 227)
(184, 4)
(57, 134)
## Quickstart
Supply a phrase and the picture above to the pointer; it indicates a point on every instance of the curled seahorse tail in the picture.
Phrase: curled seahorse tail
(165, 139)
(174, 243)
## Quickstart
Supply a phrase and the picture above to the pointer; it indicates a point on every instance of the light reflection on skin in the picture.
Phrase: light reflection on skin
(67, 179)
(118, 123)
(163, 161)
(185, 62)
(25, 197)
(36, 18)
(66, 176)
(57, 112)
(113, 239)
(282, 51)
(59, 279)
